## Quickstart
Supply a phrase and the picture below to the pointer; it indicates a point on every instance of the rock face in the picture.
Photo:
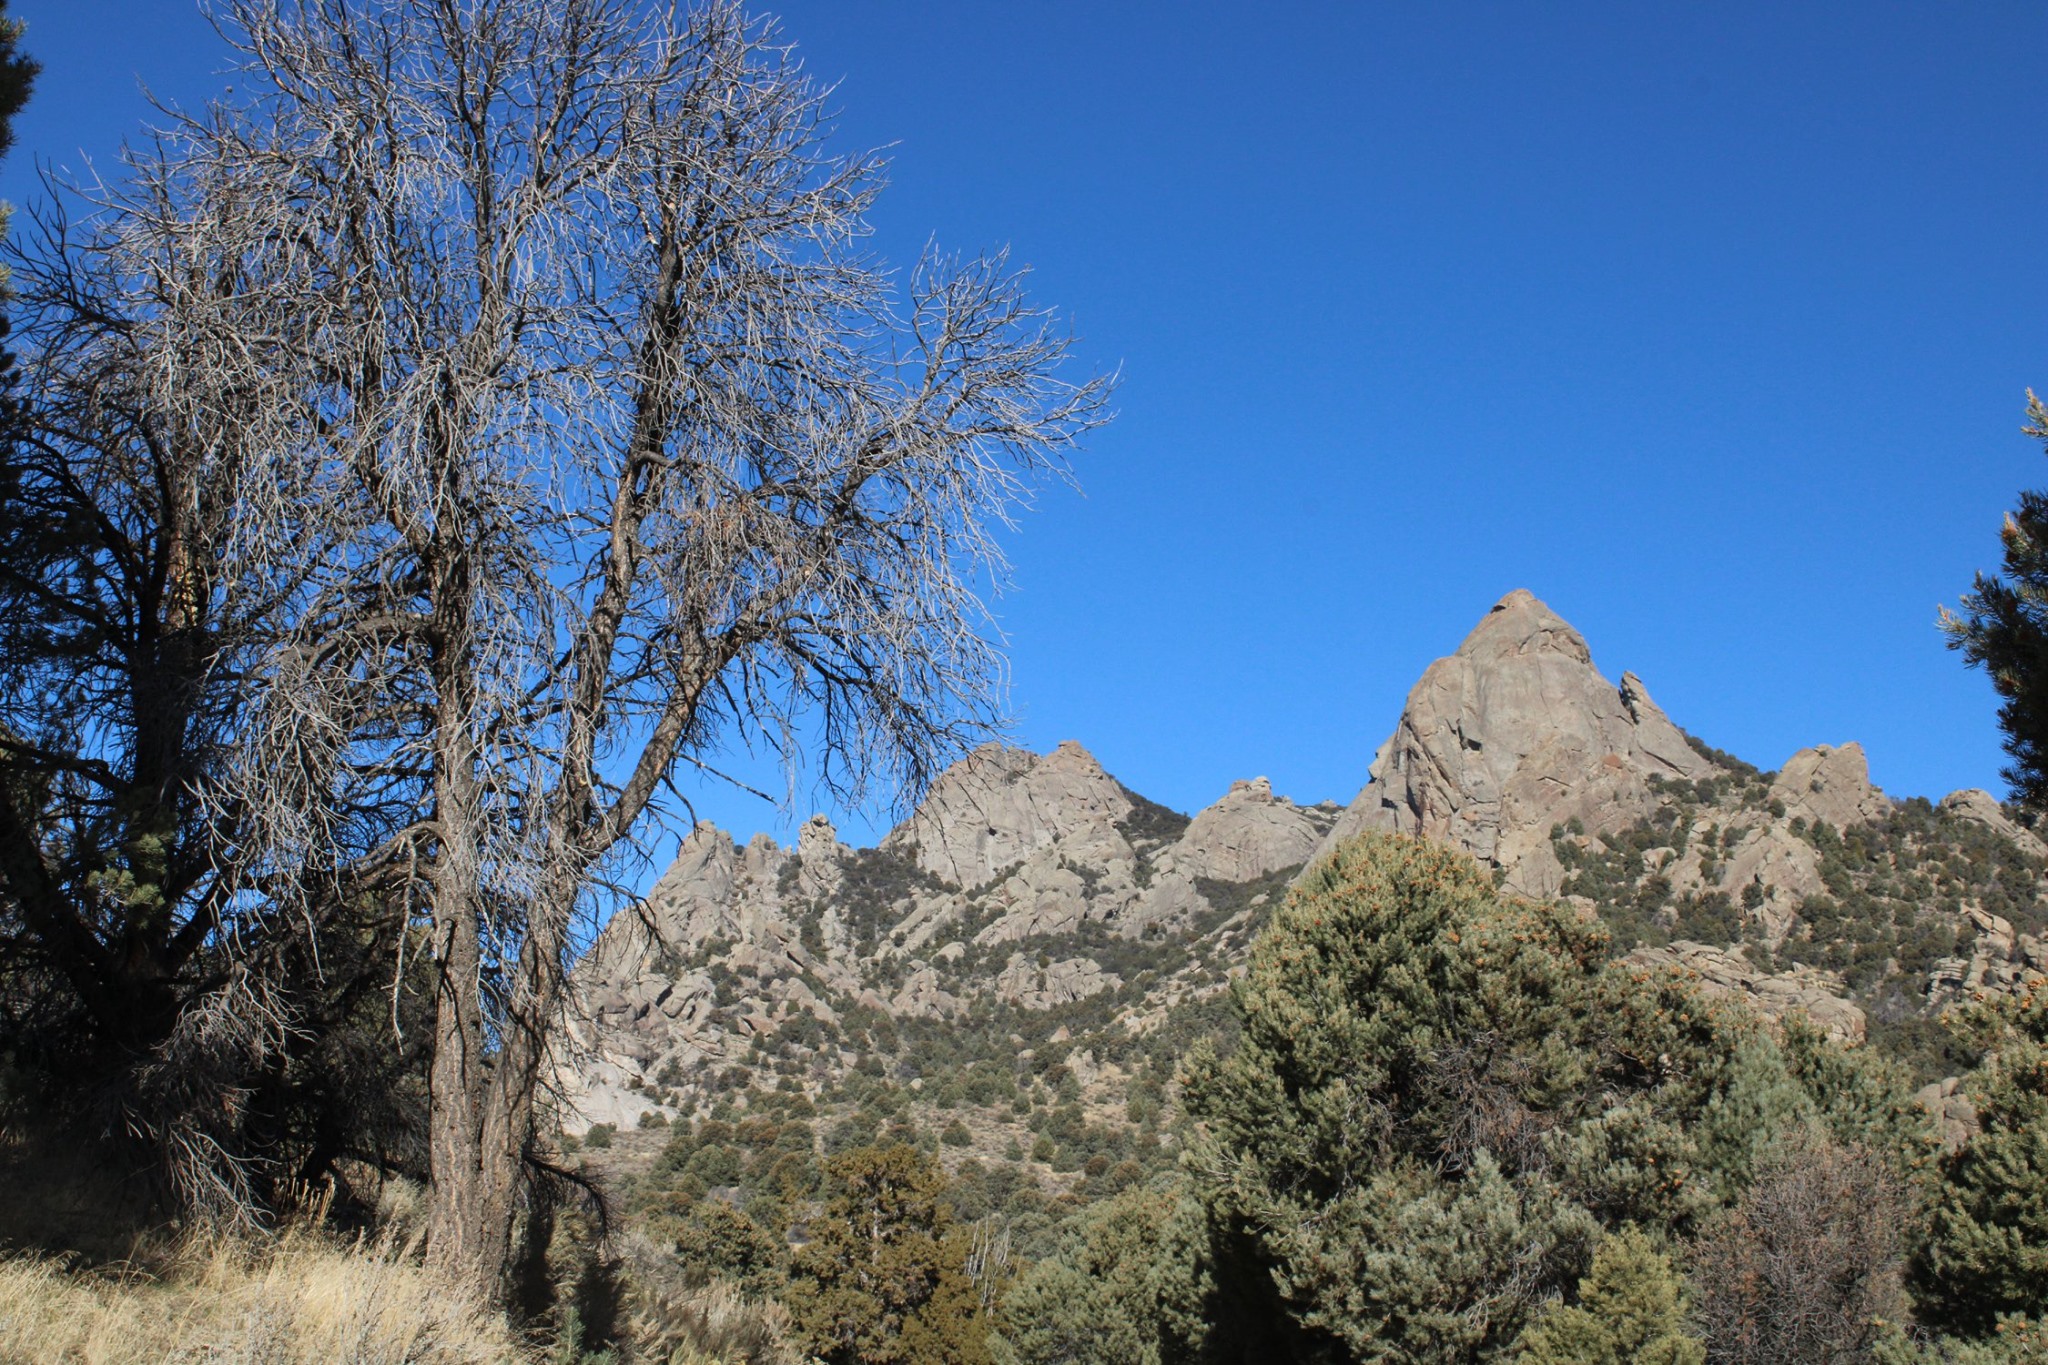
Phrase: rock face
(1999, 960)
(1000, 806)
(1982, 808)
(1514, 733)
(1249, 834)
(1831, 784)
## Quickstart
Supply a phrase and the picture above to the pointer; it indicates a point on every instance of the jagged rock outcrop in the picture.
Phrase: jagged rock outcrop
(1034, 987)
(922, 997)
(2000, 960)
(1774, 995)
(1514, 733)
(1011, 855)
(1784, 869)
(1981, 807)
(1830, 783)
(999, 806)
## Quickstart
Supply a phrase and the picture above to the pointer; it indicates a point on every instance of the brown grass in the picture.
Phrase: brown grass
(707, 1324)
(300, 1299)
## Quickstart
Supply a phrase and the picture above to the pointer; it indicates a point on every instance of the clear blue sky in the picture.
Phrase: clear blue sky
(1710, 324)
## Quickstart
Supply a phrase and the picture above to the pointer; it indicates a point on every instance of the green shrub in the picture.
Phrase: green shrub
(1630, 1311)
(1986, 1253)
(1131, 1286)
(1440, 1097)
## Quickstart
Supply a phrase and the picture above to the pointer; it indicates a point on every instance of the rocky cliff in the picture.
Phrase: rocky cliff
(1035, 908)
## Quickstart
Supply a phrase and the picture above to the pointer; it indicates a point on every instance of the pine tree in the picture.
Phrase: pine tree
(18, 73)
(2003, 629)
(1631, 1311)
(2014, 1341)
(1986, 1251)
(883, 1280)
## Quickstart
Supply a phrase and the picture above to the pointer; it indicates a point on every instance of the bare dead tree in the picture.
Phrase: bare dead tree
(583, 440)
(1805, 1266)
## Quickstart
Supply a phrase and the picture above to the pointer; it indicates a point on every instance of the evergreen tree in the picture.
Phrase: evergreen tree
(18, 73)
(1986, 1251)
(883, 1280)
(1862, 1097)
(2003, 629)
(2014, 1341)
(1631, 1311)
(1440, 1097)
(1132, 1289)
(720, 1242)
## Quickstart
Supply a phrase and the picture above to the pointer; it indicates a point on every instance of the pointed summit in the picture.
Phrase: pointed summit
(1514, 733)
(1520, 624)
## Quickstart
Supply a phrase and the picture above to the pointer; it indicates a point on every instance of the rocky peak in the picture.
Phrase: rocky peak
(1831, 783)
(1037, 882)
(1515, 732)
(1247, 834)
(1520, 624)
(995, 808)
(818, 855)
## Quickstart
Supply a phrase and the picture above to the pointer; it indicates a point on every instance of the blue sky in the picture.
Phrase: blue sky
(1711, 325)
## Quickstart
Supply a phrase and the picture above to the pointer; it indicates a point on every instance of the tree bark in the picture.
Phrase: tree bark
(468, 1233)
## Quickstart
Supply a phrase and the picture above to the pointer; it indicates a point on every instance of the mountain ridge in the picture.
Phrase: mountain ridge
(1034, 895)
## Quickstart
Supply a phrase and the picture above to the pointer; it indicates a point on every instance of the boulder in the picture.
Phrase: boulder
(1955, 1117)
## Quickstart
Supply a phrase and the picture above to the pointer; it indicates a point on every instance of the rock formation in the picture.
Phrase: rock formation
(998, 807)
(1982, 808)
(1775, 995)
(1515, 733)
(1831, 784)
(979, 896)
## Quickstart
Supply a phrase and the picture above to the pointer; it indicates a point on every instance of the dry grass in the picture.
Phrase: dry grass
(86, 1279)
(710, 1324)
(302, 1298)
